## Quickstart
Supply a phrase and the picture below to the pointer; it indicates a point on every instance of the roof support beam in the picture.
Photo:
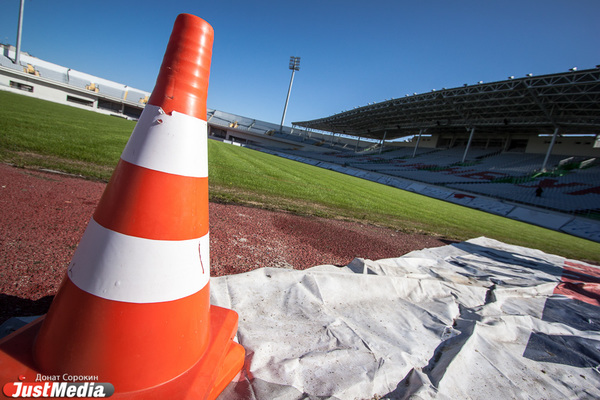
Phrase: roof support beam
(550, 149)
(383, 141)
(468, 144)
(418, 140)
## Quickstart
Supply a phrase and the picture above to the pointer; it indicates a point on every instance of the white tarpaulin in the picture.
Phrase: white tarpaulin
(474, 320)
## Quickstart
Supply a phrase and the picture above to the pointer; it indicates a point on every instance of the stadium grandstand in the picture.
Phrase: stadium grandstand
(48, 81)
(34, 77)
(530, 142)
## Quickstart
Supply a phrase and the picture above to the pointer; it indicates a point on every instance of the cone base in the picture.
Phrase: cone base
(221, 362)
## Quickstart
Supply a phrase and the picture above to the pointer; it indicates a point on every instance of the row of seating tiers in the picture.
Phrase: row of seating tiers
(512, 176)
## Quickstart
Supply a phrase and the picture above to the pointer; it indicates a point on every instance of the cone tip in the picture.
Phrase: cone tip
(182, 82)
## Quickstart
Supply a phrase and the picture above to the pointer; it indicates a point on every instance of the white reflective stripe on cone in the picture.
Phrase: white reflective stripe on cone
(119, 267)
(175, 144)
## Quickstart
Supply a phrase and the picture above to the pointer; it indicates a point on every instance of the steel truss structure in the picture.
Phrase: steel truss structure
(565, 103)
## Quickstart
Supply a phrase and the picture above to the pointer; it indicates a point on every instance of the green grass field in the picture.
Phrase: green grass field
(36, 133)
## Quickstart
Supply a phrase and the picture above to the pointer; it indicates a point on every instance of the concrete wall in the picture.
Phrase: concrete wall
(41, 88)
(245, 137)
(427, 142)
(572, 146)
(582, 146)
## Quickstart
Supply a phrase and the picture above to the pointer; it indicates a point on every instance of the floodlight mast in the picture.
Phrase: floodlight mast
(19, 33)
(294, 66)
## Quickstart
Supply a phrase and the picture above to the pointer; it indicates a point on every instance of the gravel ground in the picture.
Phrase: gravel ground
(45, 214)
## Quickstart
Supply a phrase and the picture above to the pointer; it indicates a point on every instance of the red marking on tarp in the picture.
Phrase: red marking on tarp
(580, 282)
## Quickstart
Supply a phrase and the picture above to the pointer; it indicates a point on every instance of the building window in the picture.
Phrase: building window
(21, 86)
(77, 100)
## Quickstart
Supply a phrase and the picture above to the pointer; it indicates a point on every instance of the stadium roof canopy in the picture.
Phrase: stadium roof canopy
(532, 105)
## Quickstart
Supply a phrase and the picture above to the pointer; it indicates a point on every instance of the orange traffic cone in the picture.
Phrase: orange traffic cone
(133, 310)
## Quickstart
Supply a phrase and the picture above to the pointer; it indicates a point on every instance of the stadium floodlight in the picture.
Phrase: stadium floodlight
(573, 69)
(295, 63)
(294, 66)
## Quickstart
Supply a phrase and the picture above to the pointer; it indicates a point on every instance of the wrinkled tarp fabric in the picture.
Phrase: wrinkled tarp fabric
(474, 320)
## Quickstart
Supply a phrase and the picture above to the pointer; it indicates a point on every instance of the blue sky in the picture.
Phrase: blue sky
(352, 52)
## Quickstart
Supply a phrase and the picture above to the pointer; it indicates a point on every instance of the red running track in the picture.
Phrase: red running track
(43, 216)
